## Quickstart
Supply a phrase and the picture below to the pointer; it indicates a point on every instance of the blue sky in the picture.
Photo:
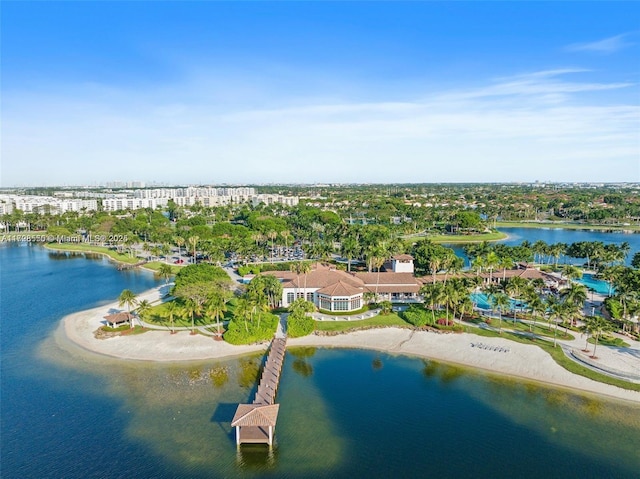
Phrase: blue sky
(303, 92)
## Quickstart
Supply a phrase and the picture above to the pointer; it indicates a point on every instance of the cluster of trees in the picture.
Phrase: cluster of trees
(299, 323)
(201, 291)
(624, 304)
(252, 319)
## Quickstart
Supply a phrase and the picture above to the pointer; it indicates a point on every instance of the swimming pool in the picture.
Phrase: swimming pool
(481, 300)
(597, 285)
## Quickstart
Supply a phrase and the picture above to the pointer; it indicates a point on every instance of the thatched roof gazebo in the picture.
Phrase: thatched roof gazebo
(116, 319)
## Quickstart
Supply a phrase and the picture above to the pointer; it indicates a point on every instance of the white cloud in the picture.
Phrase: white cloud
(518, 128)
(605, 46)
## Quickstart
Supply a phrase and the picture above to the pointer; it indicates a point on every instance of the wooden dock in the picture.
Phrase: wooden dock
(256, 422)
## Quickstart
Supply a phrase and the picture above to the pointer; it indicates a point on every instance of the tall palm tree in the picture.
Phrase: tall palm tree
(536, 306)
(128, 298)
(305, 269)
(575, 295)
(434, 295)
(217, 306)
(165, 272)
(558, 310)
(571, 272)
(515, 286)
(499, 302)
(194, 307)
(597, 326)
(349, 249)
(272, 235)
(193, 242)
(243, 310)
(273, 289)
(172, 309)
(377, 261)
(143, 308)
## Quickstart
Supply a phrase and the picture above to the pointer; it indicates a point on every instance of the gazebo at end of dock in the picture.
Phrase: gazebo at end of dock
(255, 423)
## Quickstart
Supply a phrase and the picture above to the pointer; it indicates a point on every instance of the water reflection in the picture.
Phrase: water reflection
(182, 412)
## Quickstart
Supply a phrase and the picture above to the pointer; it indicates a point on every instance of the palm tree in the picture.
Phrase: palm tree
(258, 303)
(386, 307)
(305, 268)
(536, 306)
(349, 249)
(165, 272)
(128, 298)
(559, 310)
(575, 295)
(194, 307)
(515, 286)
(597, 326)
(272, 288)
(193, 241)
(272, 235)
(539, 248)
(301, 307)
(491, 260)
(217, 306)
(434, 295)
(499, 302)
(243, 310)
(173, 309)
(377, 261)
(143, 308)
(571, 272)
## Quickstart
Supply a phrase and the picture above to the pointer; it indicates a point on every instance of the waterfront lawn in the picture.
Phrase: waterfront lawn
(540, 329)
(87, 248)
(155, 266)
(477, 238)
(375, 322)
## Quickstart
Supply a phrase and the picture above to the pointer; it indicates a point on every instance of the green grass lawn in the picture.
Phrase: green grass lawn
(610, 341)
(541, 329)
(376, 321)
(87, 248)
(155, 266)
(478, 238)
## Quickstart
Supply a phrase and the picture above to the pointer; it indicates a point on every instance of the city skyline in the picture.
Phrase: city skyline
(258, 93)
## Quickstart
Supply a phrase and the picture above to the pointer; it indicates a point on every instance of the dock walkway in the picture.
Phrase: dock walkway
(256, 422)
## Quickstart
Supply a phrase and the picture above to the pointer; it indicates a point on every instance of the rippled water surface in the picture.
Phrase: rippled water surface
(68, 413)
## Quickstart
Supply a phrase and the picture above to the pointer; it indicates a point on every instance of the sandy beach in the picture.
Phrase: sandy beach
(521, 360)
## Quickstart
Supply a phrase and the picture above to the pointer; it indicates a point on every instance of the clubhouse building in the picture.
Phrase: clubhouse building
(331, 289)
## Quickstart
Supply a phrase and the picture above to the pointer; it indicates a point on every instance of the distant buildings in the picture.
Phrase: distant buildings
(44, 204)
(134, 199)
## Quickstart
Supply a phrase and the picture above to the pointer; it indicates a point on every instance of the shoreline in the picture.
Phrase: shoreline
(51, 247)
(630, 229)
(523, 362)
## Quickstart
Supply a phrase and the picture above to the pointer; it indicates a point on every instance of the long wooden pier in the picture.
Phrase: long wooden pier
(255, 423)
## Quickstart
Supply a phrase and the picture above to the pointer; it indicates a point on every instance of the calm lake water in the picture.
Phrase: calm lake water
(66, 413)
(557, 235)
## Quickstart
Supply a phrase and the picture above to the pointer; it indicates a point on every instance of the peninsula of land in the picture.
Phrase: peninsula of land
(497, 355)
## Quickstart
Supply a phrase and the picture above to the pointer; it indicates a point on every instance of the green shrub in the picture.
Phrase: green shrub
(614, 308)
(300, 325)
(254, 332)
(416, 315)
